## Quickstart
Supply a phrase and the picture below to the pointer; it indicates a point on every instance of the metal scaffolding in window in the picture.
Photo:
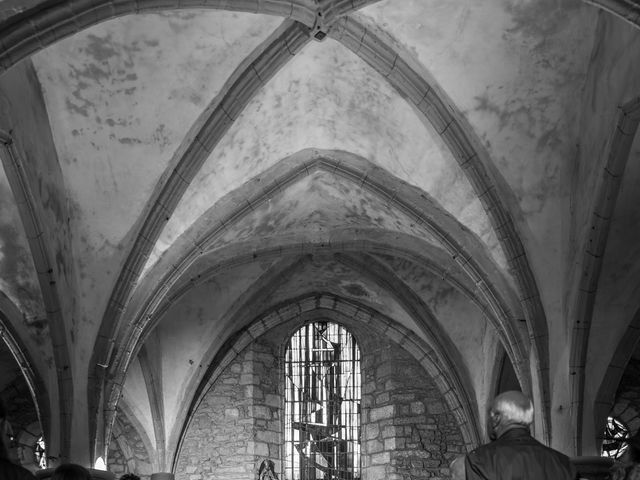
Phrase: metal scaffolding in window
(322, 404)
(616, 438)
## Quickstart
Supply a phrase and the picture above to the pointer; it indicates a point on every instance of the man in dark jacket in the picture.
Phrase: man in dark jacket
(513, 452)
(9, 470)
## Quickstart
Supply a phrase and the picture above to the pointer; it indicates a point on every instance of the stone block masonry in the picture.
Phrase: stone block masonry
(238, 423)
(407, 432)
(127, 450)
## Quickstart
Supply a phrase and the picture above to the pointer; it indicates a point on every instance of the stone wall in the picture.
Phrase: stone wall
(127, 451)
(407, 432)
(237, 425)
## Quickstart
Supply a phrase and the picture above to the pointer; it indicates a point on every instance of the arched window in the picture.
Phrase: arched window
(322, 404)
(616, 436)
(40, 453)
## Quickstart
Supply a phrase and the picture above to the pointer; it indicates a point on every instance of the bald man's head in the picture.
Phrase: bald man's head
(507, 410)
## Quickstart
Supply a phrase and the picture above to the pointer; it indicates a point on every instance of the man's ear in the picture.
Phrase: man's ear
(495, 418)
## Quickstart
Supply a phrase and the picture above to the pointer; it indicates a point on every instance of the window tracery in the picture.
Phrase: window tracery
(322, 404)
(616, 436)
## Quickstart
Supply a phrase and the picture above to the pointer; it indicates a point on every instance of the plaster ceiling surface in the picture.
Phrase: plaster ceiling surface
(135, 394)
(196, 326)
(460, 318)
(121, 99)
(323, 274)
(449, 274)
(18, 277)
(317, 202)
(515, 69)
(317, 208)
(116, 126)
(196, 268)
(618, 295)
(327, 98)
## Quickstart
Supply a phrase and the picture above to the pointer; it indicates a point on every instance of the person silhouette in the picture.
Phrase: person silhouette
(71, 471)
(513, 453)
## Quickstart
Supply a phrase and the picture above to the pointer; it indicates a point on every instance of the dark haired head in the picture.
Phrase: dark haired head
(129, 476)
(71, 471)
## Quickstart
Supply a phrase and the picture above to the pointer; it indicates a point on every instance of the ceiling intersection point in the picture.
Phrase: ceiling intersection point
(322, 23)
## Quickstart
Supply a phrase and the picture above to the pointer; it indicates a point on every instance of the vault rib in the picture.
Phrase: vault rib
(308, 307)
(10, 314)
(429, 99)
(31, 31)
(147, 307)
(450, 364)
(44, 264)
(423, 213)
(605, 199)
(202, 138)
(153, 382)
(624, 9)
(236, 314)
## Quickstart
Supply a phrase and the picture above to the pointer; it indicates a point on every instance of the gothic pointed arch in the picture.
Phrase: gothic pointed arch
(458, 397)
(423, 93)
(593, 251)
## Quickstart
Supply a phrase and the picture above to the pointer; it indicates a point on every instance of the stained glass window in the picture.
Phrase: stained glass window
(40, 453)
(616, 435)
(322, 404)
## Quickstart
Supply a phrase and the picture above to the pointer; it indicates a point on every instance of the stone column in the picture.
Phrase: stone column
(162, 476)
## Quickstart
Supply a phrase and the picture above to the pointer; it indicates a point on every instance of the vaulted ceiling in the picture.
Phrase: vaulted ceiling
(176, 171)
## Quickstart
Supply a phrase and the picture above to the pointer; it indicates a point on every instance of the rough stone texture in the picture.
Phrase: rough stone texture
(106, 109)
(127, 451)
(237, 425)
(407, 432)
